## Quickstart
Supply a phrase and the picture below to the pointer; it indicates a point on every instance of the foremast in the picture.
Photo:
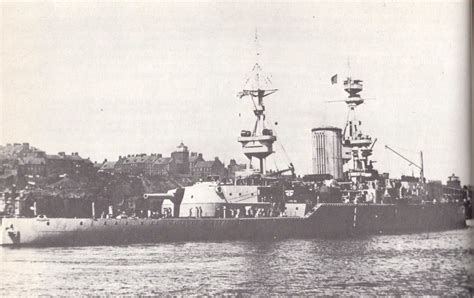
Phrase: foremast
(257, 143)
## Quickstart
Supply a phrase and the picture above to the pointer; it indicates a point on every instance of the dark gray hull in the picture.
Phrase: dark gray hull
(328, 220)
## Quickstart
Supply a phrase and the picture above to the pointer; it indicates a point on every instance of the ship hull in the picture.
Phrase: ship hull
(328, 220)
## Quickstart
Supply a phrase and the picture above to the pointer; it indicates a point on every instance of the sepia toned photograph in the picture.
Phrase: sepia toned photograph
(238, 148)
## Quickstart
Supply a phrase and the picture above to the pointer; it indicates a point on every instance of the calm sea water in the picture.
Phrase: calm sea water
(430, 263)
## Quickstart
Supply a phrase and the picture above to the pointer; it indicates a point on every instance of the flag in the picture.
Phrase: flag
(334, 79)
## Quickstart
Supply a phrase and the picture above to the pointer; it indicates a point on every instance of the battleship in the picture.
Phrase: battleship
(344, 196)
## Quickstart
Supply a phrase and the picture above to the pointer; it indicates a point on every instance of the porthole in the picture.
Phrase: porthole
(230, 194)
(240, 193)
(47, 223)
(80, 223)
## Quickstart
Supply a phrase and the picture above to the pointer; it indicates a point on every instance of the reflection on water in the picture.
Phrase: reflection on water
(431, 264)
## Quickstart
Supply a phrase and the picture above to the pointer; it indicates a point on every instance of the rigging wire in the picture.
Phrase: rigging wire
(387, 157)
(275, 133)
(404, 149)
(275, 163)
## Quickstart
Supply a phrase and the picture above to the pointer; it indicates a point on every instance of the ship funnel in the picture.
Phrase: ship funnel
(327, 151)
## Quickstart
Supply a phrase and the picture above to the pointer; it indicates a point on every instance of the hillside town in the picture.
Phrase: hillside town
(28, 173)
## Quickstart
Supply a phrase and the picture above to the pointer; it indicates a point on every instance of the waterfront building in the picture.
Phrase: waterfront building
(162, 166)
(180, 159)
(134, 164)
(149, 163)
(234, 167)
(107, 166)
(33, 164)
(61, 163)
(57, 164)
(202, 169)
(16, 150)
(194, 158)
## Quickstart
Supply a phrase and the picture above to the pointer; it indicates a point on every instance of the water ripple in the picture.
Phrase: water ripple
(417, 264)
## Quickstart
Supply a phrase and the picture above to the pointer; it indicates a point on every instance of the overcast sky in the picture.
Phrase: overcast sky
(107, 79)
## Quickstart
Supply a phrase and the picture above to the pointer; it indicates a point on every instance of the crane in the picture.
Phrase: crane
(422, 172)
(278, 173)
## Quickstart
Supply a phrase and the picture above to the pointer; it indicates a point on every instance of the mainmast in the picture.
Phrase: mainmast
(360, 145)
(257, 143)
(357, 146)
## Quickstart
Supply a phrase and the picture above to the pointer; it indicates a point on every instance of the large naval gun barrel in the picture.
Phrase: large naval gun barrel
(327, 151)
(175, 197)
